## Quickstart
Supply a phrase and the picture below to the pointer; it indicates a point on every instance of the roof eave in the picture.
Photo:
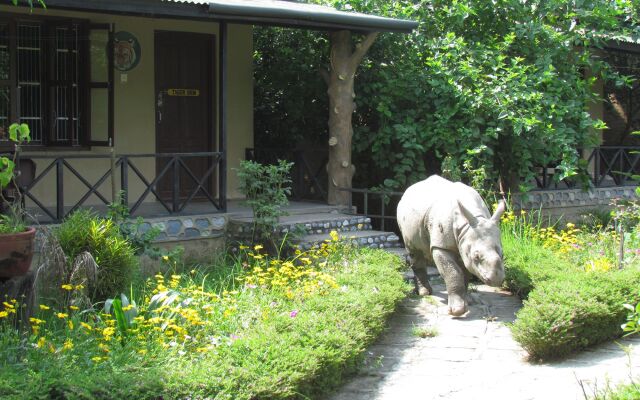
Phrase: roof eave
(312, 19)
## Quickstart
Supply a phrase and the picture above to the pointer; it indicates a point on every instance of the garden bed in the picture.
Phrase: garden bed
(251, 329)
(574, 294)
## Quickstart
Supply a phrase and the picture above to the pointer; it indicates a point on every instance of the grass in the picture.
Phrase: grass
(254, 329)
(574, 294)
(424, 332)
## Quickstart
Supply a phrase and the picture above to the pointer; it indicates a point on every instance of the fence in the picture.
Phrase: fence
(177, 179)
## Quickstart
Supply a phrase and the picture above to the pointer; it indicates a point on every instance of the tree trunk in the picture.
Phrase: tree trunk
(344, 62)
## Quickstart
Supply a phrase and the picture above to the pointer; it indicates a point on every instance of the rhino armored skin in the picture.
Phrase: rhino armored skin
(449, 225)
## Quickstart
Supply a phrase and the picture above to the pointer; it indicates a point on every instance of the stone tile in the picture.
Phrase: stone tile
(476, 358)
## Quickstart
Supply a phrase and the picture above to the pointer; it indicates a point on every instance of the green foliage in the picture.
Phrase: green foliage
(12, 218)
(498, 87)
(270, 346)
(29, 3)
(124, 312)
(142, 242)
(115, 256)
(266, 188)
(573, 295)
(527, 264)
(575, 311)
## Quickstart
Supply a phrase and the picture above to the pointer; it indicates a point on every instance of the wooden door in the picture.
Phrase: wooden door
(185, 112)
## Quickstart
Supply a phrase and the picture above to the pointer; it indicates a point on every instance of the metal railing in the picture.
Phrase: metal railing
(380, 210)
(309, 174)
(174, 185)
(615, 165)
(607, 166)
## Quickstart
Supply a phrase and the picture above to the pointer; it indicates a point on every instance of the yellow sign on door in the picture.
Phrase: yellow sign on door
(183, 92)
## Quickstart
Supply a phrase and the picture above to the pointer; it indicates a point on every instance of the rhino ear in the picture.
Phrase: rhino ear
(502, 206)
(473, 221)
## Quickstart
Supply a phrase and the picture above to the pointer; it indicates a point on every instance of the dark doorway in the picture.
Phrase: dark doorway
(185, 111)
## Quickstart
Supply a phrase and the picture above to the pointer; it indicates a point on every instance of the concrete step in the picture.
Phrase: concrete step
(370, 238)
(315, 223)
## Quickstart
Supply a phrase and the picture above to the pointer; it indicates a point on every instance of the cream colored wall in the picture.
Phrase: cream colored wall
(134, 114)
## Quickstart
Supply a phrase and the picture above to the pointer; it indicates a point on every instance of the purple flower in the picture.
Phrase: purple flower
(293, 313)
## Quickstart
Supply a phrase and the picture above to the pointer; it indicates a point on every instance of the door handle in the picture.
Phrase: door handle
(160, 103)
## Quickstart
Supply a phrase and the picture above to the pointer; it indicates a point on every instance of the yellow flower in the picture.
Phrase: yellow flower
(79, 287)
(74, 308)
(3, 314)
(96, 359)
(243, 247)
(62, 315)
(67, 287)
(86, 326)
(70, 324)
(41, 342)
(68, 344)
(165, 258)
(44, 308)
(258, 247)
(36, 321)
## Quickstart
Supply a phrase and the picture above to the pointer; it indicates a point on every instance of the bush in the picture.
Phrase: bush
(115, 256)
(527, 264)
(580, 310)
(256, 328)
(266, 188)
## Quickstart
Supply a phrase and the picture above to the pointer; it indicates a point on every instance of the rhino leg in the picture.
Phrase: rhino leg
(454, 278)
(419, 267)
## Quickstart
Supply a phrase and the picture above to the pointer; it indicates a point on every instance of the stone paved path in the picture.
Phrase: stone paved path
(475, 357)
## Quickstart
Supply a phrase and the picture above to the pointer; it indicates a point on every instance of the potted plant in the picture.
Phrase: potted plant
(16, 238)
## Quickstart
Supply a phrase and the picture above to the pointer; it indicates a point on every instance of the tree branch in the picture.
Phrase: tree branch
(362, 48)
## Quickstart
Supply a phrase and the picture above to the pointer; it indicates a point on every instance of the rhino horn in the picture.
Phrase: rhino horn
(502, 206)
(473, 221)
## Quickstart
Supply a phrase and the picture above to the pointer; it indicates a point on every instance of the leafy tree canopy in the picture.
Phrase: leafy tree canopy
(482, 89)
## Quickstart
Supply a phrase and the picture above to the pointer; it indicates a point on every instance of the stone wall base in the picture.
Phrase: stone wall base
(571, 203)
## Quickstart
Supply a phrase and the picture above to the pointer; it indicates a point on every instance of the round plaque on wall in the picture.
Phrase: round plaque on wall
(127, 51)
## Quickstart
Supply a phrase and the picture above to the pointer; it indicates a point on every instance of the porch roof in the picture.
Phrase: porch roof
(259, 12)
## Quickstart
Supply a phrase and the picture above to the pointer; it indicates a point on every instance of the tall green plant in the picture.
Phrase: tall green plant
(114, 255)
(499, 86)
(266, 188)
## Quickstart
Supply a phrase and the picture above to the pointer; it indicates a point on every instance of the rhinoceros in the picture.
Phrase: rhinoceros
(449, 224)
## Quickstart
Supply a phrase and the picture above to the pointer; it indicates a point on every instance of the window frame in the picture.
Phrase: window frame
(47, 81)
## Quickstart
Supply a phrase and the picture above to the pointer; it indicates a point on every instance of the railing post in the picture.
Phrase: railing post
(596, 167)
(621, 155)
(124, 180)
(366, 203)
(299, 166)
(59, 189)
(382, 212)
(176, 183)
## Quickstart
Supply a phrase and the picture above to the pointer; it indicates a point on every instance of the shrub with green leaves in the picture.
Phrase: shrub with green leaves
(266, 188)
(115, 256)
(212, 332)
(574, 311)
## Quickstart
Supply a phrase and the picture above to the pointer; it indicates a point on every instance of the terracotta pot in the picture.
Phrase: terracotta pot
(16, 252)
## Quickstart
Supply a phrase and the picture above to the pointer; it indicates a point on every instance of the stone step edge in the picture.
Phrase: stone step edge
(372, 239)
(321, 226)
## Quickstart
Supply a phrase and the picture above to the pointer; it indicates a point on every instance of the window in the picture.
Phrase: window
(48, 80)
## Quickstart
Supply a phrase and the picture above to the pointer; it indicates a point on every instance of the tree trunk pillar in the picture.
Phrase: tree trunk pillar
(340, 79)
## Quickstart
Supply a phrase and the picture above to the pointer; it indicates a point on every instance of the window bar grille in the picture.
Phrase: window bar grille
(29, 63)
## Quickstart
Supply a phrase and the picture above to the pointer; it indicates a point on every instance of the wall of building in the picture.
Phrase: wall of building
(134, 114)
